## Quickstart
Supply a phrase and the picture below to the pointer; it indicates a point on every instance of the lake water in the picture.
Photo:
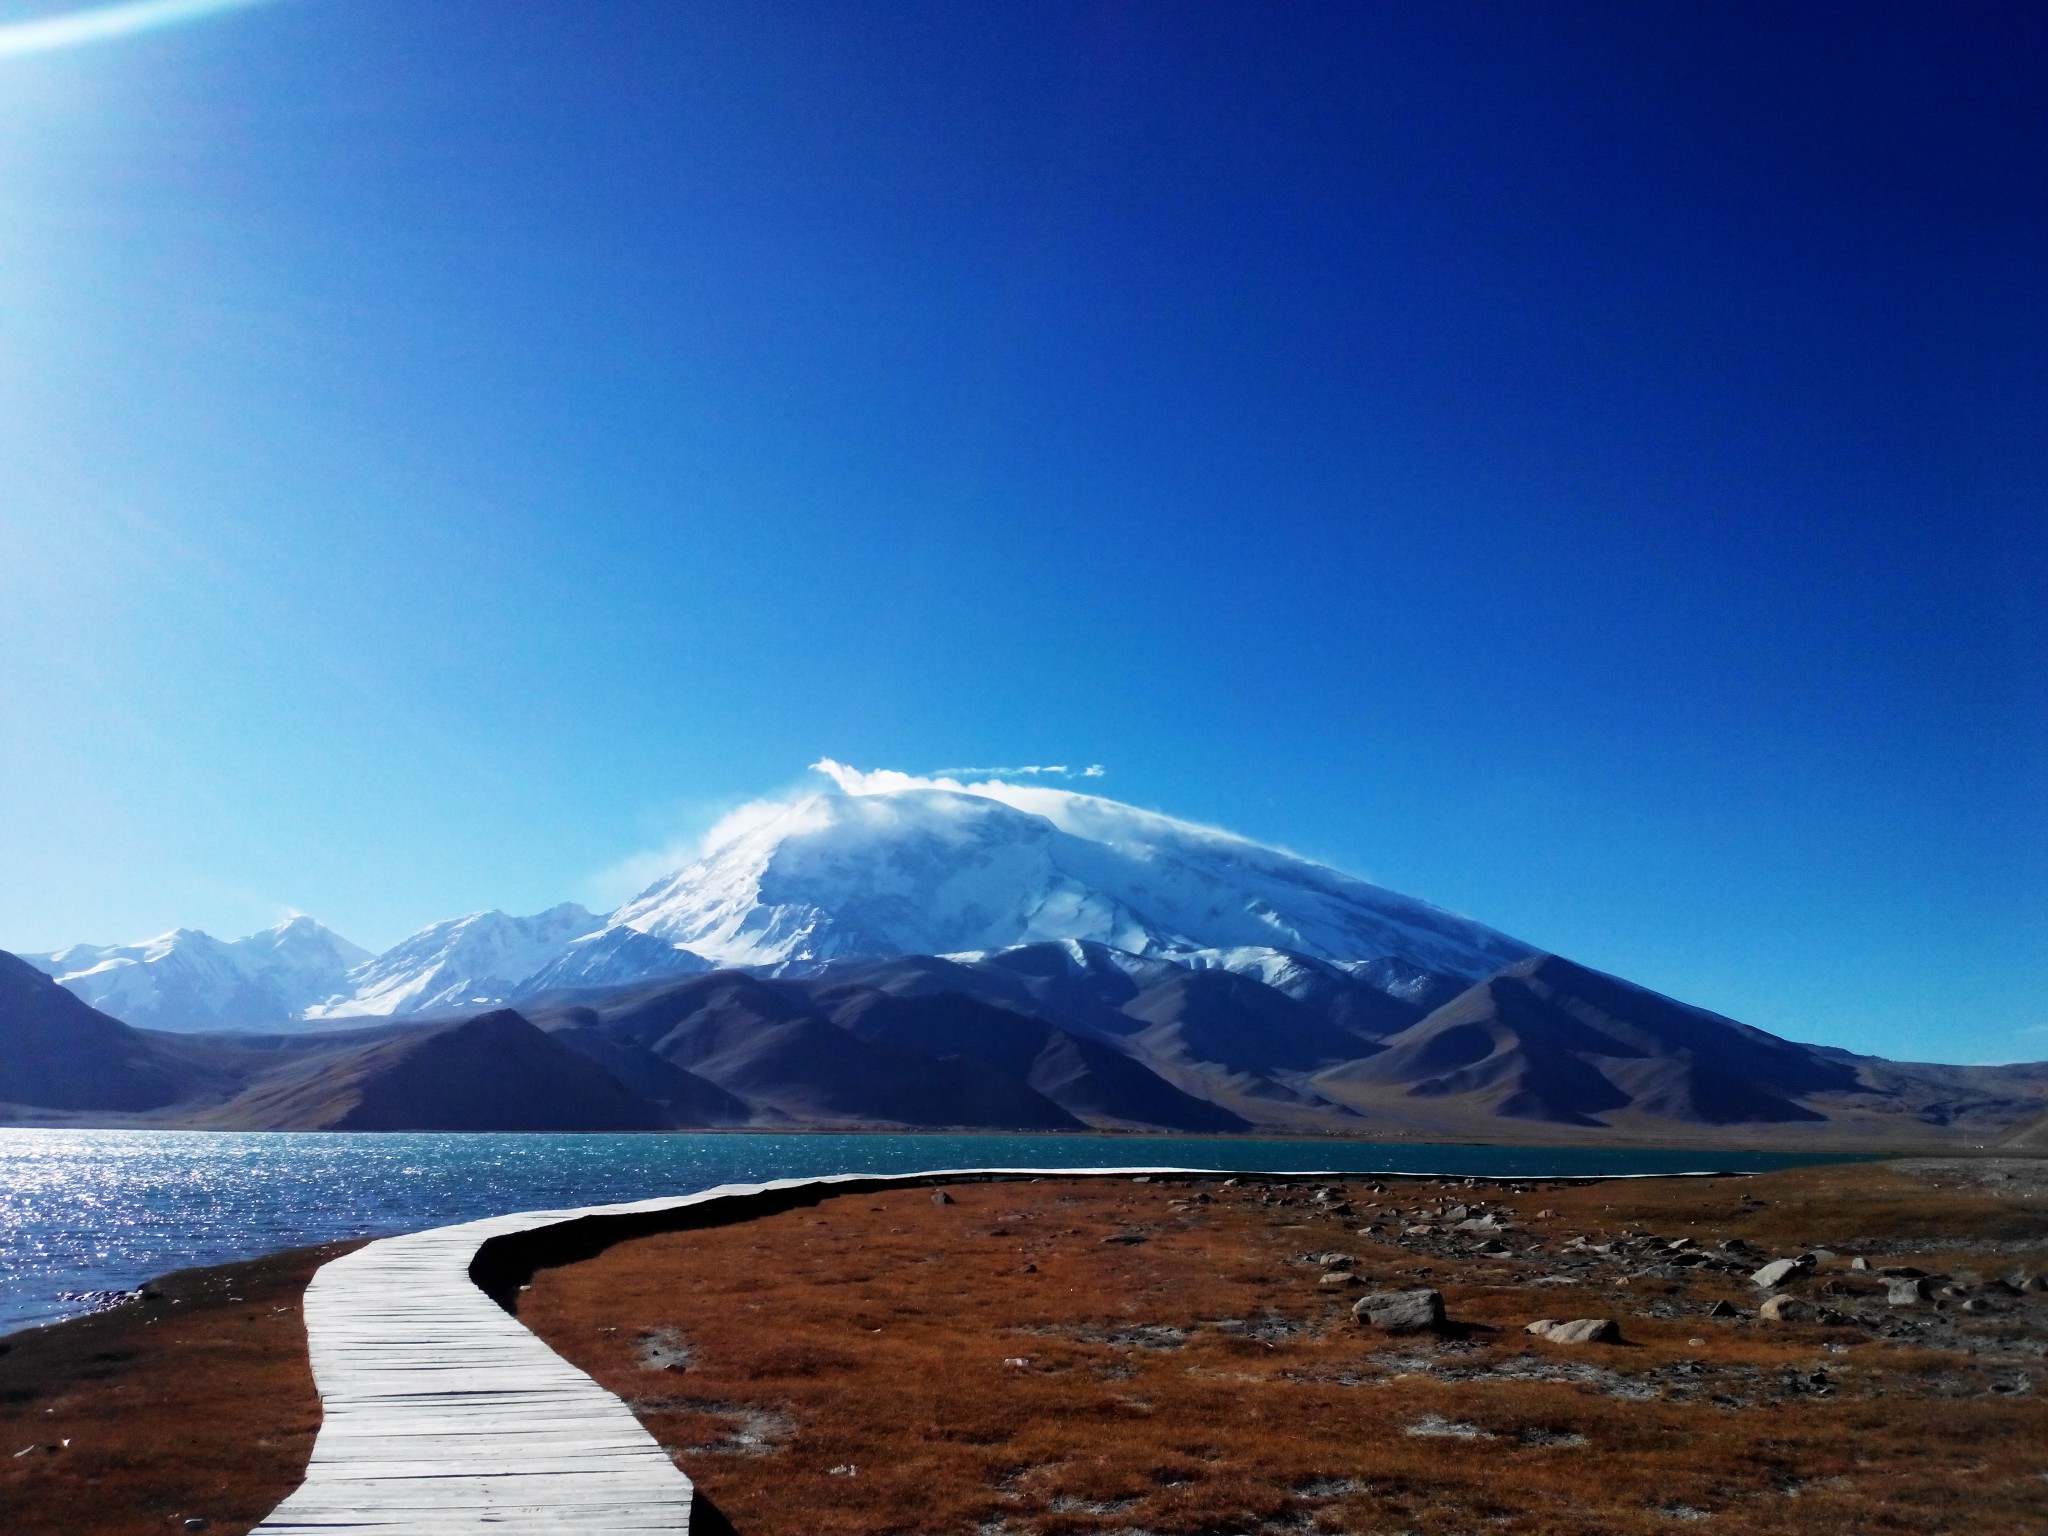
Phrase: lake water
(97, 1211)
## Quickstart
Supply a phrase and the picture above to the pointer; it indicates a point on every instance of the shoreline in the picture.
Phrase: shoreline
(100, 1333)
(1524, 1136)
(172, 1199)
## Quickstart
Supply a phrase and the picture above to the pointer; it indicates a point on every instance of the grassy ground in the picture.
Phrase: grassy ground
(993, 1365)
(1073, 1356)
(196, 1403)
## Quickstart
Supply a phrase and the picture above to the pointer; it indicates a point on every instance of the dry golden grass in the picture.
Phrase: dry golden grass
(875, 1332)
(881, 1363)
(198, 1403)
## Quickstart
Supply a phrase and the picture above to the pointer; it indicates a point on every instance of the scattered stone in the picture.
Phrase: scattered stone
(196, 1522)
(940, 1197)
(1859, 1263)
(1905, 1291)
(1778, 1271)
(1435, 1425)
(1582, 1330)
(1401, 1311)
(1125, 1237)
(664, 1349)
(1722, 1309)
(1786, 1309)
(1337, 1279)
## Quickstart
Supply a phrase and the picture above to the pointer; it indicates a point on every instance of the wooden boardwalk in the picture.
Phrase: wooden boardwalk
(442, 1413)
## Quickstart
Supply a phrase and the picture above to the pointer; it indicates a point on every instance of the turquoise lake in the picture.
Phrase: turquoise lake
(98, 1211)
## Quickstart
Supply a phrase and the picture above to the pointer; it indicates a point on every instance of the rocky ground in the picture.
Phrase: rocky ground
(1853, 1348)
(1857, 1348)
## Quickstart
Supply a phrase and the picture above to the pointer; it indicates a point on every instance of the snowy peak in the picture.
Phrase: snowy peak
(919, 872)
(463, 962)
(300, 946)
(927, 870)
(612, 957)
(885, 865)
(188, 979)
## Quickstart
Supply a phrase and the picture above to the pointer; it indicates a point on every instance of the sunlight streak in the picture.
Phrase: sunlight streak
(106, 22)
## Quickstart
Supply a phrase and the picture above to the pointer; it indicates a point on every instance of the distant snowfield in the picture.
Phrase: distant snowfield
(882, 864)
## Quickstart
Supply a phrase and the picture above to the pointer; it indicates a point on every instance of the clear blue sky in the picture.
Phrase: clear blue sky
(1583, 465)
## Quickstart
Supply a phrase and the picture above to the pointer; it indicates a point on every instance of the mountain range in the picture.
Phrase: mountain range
(933, 956)
(916, 871)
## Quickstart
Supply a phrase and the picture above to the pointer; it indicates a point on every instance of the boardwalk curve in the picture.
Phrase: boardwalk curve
(442, 1413)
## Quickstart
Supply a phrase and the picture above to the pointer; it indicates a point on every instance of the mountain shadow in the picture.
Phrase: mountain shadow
(1545, 1039)
(58, 1052)
(495, 1072)
(1089, 1078)
(770, 1044)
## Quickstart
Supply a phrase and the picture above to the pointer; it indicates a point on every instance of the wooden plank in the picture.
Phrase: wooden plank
(443, 1414)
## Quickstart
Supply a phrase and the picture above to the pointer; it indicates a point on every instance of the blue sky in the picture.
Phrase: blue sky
(1582, 465)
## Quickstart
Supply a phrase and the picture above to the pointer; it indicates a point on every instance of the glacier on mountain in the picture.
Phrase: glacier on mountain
(925, 870)
(611, 957)
(464, 962)
(189, 979)
(883, 864)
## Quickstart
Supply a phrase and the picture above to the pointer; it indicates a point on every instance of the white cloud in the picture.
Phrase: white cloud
(878, 781)
(1033, 770)
(613, 886)
(888, 781)
(618, 883)
(739, 821)
(1071, 810)
(621, 882)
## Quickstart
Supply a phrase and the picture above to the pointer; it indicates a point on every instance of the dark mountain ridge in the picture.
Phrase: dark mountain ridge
(59, 1053)
(1545, 1039)
(1054, 1036)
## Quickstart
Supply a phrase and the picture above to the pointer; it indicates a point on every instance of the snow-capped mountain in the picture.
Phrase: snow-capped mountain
(939, 870)
(187, 979)
(884, 865)
(609, 957)
(473, 961)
